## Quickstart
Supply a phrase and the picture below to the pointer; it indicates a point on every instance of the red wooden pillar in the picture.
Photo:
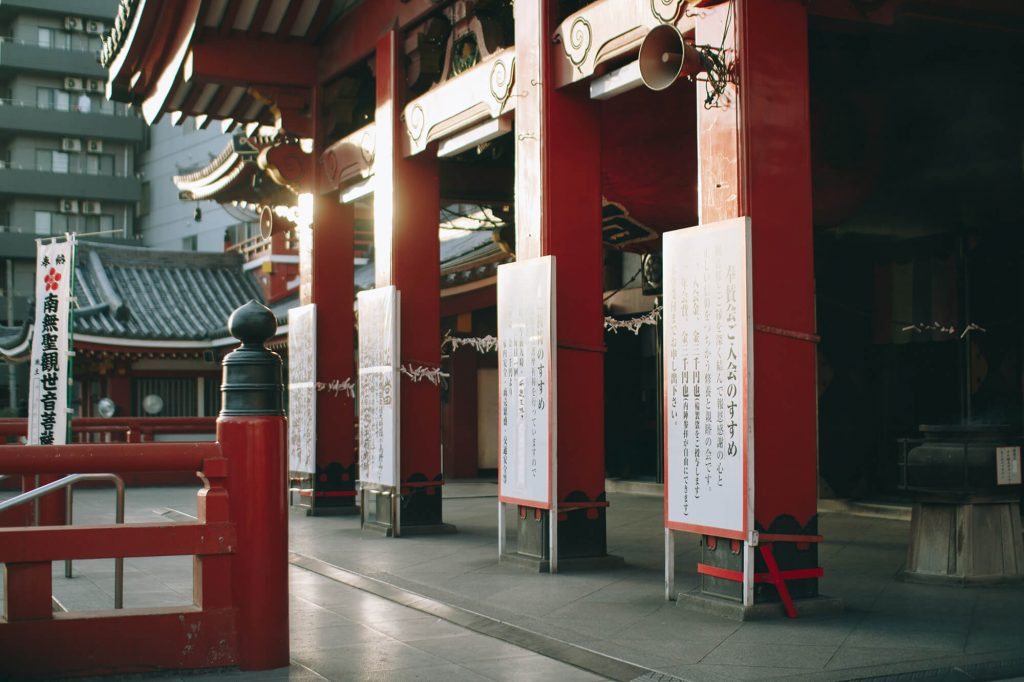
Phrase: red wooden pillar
(461, 455)
(754, 158)
(330, 276)
(558, 212)
(406, 208)
(28, 587)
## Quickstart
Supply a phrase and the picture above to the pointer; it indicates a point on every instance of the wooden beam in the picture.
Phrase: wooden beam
(355, 36)
(256, 27)
(228, 20)
(56, 543)
(244, 61)
(284, 29)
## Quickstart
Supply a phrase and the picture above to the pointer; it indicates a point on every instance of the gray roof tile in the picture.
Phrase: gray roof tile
(168, 295)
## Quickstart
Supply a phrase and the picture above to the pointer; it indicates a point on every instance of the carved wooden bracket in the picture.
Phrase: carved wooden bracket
(290, 107)
(482, 92)
(350, 159)
(288, 166)
(607, 29)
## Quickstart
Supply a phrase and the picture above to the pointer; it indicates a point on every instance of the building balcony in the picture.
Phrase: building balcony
(16, 117)
(25, 183)
(96, 9)
(21, 57)
(17, 242)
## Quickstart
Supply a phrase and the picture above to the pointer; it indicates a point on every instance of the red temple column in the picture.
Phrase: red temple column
(331, 289)
(558, 213)
(754, 160)
(326, 275)
(406, 208)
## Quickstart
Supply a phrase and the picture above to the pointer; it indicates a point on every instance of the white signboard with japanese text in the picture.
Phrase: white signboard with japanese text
(526, 371)
(378, 386)
(708, 354)
(1008, 469)
(51, 341)
(302, 389)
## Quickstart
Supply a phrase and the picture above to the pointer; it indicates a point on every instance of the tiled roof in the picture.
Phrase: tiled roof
(465, 256)
(137, 293)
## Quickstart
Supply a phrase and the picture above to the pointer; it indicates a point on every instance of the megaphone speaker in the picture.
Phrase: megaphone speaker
(267, 222)
(665, 57)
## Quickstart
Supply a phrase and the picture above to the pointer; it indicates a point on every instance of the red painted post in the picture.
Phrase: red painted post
(754, 160)
(407, 198)
(211, 574)
(28, 588)
(332, 289)
(251, 431)
(558, 212)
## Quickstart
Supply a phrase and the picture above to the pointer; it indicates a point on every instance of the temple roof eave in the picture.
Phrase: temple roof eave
(150, 49)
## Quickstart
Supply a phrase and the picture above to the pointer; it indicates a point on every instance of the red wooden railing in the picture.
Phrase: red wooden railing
(239, 616)
(110, 430)
(126, 429)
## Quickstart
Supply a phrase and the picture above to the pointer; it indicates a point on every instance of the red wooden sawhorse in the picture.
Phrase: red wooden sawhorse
(774, 575)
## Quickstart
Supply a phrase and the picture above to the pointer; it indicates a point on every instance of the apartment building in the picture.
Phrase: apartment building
(67, 154)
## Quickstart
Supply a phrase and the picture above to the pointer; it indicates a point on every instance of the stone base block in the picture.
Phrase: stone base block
(574, 565)
(734, 610)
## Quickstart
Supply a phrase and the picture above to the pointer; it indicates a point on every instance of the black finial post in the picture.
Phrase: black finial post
(251, 382)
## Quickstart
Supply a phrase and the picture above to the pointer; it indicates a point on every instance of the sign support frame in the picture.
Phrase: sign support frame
(393, 491)
(747, 535)
(551, 346)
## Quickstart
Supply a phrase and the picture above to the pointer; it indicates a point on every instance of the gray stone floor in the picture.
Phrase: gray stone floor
(443, 607)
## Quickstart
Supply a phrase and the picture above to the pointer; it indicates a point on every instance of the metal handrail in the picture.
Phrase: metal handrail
(68, 482)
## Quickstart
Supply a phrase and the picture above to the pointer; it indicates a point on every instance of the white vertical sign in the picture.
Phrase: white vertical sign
(1008, 465)
(302, 394)
(51, 341)
(526, 371)
(708, 356)
(378, 386)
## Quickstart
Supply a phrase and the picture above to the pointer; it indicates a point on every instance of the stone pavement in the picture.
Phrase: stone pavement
(443, 607)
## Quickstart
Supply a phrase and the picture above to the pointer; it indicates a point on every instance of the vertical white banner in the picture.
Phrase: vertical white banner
(51, 341)
(302, 394)
(378, 386)
(526, 374)
(708, 361)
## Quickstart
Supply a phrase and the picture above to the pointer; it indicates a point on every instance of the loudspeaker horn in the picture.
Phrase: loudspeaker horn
(267, 222)
(665, 57)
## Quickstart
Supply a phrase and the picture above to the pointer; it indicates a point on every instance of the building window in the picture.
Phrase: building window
(53, 161)
(144, 200)
(190, 243)
(52, 98)
(99, 223)
(48, 222)
(99, 164)
(54, 38)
